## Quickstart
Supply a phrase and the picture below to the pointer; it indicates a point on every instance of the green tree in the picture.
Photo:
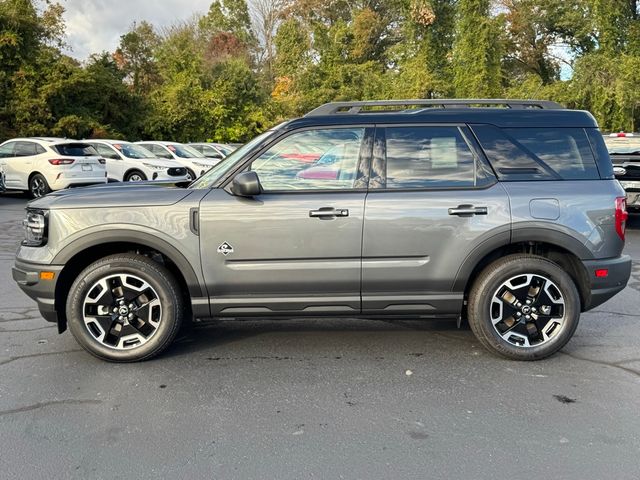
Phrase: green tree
(477, 51)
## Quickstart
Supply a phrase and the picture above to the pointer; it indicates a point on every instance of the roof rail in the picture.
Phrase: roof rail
(357, 107)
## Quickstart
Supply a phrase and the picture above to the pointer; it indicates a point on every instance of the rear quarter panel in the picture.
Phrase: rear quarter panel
(580, 213)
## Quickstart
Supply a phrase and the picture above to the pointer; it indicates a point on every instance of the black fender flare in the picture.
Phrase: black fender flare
(517, 235)
(142, 238)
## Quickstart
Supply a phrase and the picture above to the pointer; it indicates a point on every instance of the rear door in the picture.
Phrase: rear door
(115, 163)
(296, 248)
(432, 201)
(22, 164)
(10, 164)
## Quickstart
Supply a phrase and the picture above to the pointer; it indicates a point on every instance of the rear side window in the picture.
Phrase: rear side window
(75, 149)
(428, 157)
(538, 153)
(25, 149)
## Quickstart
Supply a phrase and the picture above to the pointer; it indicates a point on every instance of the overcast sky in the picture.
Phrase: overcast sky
(96, 25)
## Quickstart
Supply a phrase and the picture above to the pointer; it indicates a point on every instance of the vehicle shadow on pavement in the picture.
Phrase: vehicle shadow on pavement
(322, 333)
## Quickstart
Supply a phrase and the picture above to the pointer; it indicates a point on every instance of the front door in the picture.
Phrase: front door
(432, 202)
(296, 248)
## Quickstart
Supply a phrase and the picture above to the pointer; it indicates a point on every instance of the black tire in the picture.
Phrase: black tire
(129, 177)
(192, 174)
(481, 301)
(158, 278)
(38, 186)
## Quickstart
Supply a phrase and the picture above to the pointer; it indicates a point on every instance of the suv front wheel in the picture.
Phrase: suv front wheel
(524, 307)
(125, 308)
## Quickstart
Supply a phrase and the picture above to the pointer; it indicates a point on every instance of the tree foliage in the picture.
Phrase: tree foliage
(241, 67)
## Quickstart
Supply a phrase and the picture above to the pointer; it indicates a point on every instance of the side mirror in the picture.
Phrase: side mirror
(246, 184)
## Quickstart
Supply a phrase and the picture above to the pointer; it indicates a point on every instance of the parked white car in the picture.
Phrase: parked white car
(212, 150)
(190, 158)
(40, 165)
(128, 162)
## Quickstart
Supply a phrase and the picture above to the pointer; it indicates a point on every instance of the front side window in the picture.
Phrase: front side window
(184, 151)
(322, 159)
(159, 151)
(7, 149)
(428, 157)
(106, 152)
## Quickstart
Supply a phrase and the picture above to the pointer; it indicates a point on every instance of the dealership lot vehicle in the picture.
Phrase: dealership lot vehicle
(128, 162)
(191, 159)
(212, 150)
(510, 217)
(624, 149)
(40, 165)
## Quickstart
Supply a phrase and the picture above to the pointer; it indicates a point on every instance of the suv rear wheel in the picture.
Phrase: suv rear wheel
(524, 307)
(125, 308)
(38, 186)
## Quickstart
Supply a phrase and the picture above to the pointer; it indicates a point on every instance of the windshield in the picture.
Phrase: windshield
(622, 145)
(131, 150)
(216, 173)
(184, 151)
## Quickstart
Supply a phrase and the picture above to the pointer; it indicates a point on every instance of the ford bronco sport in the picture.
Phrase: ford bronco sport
(503, 212)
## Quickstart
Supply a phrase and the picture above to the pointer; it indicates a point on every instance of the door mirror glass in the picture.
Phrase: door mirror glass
(246, 184)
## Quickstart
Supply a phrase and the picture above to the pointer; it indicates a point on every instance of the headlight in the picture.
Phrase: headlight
(154, 167)
(202, 165)
(35, 228)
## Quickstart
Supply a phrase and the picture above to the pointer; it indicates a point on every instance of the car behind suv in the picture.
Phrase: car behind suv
(624, 149)
(509, 217)
(40, 165)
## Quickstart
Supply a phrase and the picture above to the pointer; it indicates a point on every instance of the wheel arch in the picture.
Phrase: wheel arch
(131, 170)
(81, 253)
(557, 247)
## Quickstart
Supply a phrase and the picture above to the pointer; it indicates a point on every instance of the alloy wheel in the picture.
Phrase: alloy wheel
(38, 188)
(528, 310)
(122, 311)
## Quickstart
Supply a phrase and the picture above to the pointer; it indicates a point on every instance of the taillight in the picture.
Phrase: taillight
(621, 216)
(102, 161)
(61, 161)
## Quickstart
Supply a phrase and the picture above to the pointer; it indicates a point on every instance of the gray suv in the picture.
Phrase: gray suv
(502, 212)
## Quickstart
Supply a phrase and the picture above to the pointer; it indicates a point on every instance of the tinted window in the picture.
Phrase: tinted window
(106, 151)
(565, 150)
(312, 160)
(158, 151)
(7, 150)
(75, 149)
(538, 153)
(184, 151)
(25, 149)
(425, 157)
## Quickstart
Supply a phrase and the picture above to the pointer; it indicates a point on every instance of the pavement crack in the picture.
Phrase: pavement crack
(616, 313)
(16, 330)
(37, 406)
(607, 364)
(20, 357)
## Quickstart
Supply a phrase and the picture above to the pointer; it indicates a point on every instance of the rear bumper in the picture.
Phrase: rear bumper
(62, 182)
(603, 288)
(27, 276)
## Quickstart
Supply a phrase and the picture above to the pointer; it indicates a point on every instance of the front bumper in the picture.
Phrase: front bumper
(27, 276)
(603, 288)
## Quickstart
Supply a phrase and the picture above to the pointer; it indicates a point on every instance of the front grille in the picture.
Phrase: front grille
(177, 172)
(633, 173)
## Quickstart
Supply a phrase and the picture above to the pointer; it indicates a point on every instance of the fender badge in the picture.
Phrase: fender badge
(225, 249)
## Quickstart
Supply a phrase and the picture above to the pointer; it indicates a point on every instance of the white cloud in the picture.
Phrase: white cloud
(96, 25)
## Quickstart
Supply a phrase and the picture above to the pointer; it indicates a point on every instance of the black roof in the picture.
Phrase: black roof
(503, 113)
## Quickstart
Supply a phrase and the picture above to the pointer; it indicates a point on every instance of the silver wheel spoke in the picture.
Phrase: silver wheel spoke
(122, 311)
(527, 310)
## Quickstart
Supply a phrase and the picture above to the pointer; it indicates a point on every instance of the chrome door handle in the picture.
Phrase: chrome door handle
(329, 212)
(467, 210)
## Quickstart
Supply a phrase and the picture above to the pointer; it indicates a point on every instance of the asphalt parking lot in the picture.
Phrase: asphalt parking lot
(322, 398)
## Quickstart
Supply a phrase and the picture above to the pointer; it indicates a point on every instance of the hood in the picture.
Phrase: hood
(160, 162)
(130, 195)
